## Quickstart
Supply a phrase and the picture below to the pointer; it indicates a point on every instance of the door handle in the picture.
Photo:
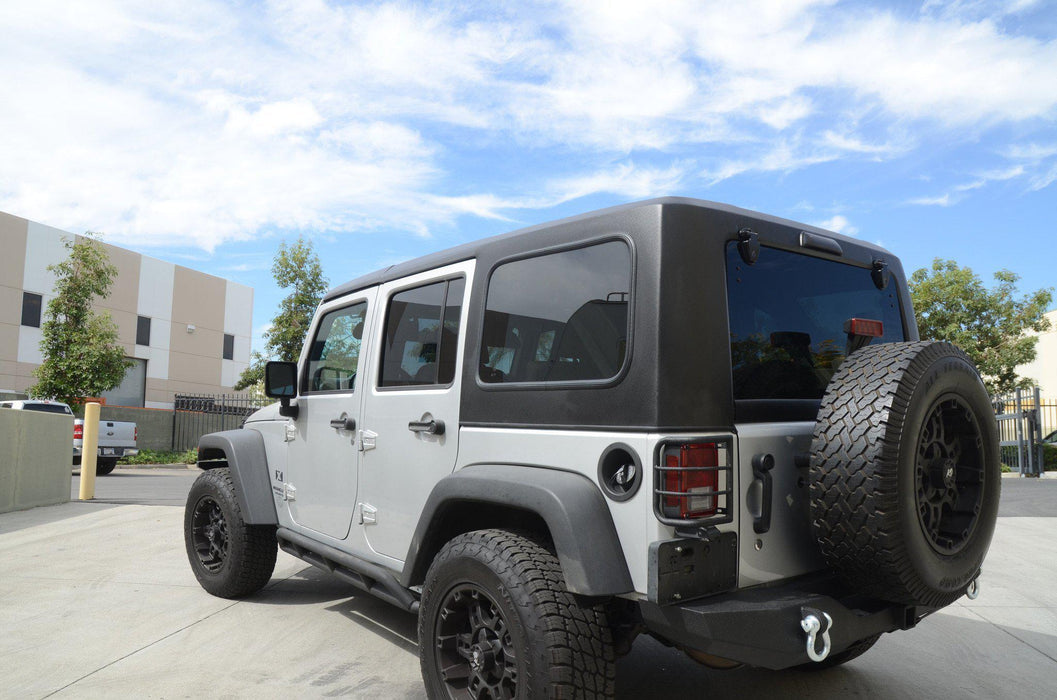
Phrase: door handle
(431, 426)
(343, 422)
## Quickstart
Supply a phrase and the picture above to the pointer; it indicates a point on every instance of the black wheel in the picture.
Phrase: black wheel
(104, 466)
(497, 622)
(229, 558)
(904, 472)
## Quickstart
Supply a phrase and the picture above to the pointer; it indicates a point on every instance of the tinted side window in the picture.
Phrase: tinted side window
(558, 317)
(335, 353)
(422, 334)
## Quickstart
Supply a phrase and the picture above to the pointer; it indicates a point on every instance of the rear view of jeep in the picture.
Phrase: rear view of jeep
(674, 417)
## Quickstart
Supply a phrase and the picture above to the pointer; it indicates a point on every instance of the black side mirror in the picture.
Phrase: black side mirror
(280, 382)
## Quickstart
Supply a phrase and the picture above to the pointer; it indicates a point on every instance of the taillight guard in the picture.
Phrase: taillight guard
(693, 481)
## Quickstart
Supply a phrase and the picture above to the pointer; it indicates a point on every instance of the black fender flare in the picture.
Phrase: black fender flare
(570, 504)
(244, 452)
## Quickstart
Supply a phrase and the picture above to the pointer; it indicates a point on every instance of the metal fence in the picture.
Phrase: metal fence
(1024, 419)
(196, 415)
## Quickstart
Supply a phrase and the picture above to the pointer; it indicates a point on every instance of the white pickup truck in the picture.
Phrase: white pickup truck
(117, 439)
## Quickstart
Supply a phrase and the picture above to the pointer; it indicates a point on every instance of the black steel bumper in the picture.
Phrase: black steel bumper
(761, 626)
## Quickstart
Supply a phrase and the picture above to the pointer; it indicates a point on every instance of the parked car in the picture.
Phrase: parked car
(117, 439)
(676, 417)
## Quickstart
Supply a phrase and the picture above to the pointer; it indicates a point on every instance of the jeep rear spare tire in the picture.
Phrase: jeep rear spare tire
(904, 475)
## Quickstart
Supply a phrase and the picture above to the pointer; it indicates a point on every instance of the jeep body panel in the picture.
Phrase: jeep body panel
(244, 454)
(571, 505)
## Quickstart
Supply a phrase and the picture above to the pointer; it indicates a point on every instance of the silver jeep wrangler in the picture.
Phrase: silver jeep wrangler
(673, 417)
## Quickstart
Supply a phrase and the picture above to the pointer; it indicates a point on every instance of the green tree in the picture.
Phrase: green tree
(81, 354)
(296, 267)
(991, 325)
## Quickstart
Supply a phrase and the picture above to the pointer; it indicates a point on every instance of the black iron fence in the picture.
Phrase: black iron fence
(1025, 419)
(196, 415)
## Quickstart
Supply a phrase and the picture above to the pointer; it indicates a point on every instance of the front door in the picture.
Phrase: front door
(320, 480)
(411, 412)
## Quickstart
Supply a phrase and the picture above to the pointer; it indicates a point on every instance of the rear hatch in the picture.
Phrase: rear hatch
(788, 315)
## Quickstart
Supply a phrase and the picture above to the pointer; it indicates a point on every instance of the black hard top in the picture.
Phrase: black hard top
(532, 237)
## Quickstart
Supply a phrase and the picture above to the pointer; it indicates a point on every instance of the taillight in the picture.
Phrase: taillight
(78, 432)
(866, 327)
(690, 480)
(135, 434)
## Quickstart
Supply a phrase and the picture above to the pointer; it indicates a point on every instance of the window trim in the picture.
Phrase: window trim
(443, 309)
(567, 383)
(302, 381)
(40, 310)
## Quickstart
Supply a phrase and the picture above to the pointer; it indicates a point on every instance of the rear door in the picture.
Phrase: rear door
(320, 479)
(410, 431)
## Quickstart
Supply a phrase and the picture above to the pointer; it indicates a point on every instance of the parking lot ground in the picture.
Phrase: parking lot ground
(97, 599)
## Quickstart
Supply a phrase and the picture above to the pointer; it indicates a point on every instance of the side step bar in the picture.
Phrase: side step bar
(362, 574)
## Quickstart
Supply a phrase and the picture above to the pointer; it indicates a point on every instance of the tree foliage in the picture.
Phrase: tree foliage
(991, 325)
(82, 357)
(295, 267)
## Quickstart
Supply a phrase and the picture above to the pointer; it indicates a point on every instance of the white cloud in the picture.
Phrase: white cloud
(206, 122)
(840, 224)
(941, 201)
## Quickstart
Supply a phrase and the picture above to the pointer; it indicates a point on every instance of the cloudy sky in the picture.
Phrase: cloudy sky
(206, 132)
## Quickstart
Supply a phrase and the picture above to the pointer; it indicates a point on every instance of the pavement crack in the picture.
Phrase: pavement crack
(1022, 641)
(142, 648)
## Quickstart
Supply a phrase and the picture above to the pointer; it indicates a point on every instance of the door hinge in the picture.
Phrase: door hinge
(368, 514)
(291, 432)
(368, 440)
(289, 492)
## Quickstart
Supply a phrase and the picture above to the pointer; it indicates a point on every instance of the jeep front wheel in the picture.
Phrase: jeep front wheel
(496, 621)
(229, 558)
(904, 472)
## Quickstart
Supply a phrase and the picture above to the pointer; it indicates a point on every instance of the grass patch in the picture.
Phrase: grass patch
(162, 457)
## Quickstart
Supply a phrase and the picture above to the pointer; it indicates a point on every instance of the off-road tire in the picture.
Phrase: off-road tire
(104, 466)
(562, 646)
(853, 652)
(229, 558)
(877, 466)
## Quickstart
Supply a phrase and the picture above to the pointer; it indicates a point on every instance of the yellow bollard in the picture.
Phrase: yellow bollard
(89, 448)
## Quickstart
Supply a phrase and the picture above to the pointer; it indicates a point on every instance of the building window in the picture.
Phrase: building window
(229, 346)
(143, 330)
(31, 304)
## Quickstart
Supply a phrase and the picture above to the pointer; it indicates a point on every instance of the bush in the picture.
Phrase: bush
(162, 457)
(1049, 457)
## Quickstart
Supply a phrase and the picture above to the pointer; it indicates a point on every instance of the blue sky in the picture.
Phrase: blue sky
(206, 132)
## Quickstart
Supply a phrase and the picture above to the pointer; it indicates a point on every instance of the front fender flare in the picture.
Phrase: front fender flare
(248, 461)
(571, 505)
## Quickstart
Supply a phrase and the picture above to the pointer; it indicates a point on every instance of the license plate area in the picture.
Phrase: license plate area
(106, 451)
(685, 569)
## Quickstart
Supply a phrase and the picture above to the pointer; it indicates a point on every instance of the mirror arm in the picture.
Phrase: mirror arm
(287, 409)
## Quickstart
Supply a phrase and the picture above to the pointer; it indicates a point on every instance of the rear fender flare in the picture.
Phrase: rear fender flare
(570, 504)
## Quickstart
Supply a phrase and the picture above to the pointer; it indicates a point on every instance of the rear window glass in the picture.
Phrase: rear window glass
(787, 315)
(46, 408)
(560, 317)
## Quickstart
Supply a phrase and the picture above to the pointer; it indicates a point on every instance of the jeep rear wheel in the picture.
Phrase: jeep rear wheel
(904, 472)
(229, 558)
(496, 621)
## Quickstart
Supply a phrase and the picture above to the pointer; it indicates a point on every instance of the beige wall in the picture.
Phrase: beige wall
(36, 457)
(13, 244)
(1044, 369)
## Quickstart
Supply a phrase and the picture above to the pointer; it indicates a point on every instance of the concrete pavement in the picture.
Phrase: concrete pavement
(98, 600)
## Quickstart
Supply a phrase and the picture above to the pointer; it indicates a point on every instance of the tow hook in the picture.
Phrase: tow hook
(973, 591)
(816, 623)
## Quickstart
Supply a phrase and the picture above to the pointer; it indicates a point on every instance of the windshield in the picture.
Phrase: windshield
(787, 316)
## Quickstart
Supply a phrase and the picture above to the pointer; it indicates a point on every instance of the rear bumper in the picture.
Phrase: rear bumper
(107, 452)
(761, 626)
